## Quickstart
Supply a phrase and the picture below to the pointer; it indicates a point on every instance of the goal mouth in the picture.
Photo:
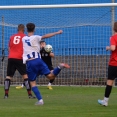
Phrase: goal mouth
(86, 31)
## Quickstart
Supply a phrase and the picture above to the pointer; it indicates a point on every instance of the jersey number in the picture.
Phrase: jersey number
(16, 39)
(28, 42)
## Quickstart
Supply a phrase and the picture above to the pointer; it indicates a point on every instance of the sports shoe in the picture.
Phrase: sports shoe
(31, 97)
(39, 103)
(19, 87)
(5, 97)
(64, 65)
(49, 87)
(103, 102)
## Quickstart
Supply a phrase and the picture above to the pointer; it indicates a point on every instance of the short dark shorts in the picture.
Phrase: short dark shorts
(112, 72)
(15, 64)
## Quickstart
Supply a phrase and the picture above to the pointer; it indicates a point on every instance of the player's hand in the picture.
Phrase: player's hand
(107, 48)
(60, 32)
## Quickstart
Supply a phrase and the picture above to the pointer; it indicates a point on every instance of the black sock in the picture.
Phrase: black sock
(7, 83)
(28, 86)
(108, 91)
(23, 83)
(51, 81)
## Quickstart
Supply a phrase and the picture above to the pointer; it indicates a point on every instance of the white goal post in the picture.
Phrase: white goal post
(86, 31)
(59, 6)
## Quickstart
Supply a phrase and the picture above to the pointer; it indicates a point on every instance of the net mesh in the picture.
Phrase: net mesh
(86, 32)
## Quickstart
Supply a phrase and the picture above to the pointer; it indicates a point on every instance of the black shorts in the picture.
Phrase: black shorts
(15, 64)
(50, 68)
(112, 72)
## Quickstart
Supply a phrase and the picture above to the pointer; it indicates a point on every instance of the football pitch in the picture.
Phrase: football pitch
(62, 101)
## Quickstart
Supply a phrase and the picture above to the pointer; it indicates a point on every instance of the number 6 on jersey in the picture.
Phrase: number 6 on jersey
(16, 39)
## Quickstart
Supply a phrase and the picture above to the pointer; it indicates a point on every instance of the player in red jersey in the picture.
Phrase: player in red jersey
(15, 61)
(112, 68)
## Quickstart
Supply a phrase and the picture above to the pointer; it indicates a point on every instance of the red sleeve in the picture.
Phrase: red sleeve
(113, 41)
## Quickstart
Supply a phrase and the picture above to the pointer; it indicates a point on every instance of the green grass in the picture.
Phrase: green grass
(59, 102)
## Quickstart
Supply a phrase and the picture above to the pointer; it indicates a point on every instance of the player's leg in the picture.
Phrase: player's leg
(45, 70)
(57, 70)
(37, 66)
(37, 93)
(33, 71)
(7, 83)
(10, 72)
(28, 86)
(22, 70)
(50, 81)
(112, 74)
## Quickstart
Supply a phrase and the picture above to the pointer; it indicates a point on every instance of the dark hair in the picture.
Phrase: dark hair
(21, 27)
(115, 27)
(30, 27)
(42, 41)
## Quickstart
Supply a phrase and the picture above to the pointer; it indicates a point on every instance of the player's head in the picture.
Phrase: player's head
(21, 28)
(42, 44)
(115, 27)
(30, 27)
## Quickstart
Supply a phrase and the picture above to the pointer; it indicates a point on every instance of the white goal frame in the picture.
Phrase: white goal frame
(113, 5)
(59, 6)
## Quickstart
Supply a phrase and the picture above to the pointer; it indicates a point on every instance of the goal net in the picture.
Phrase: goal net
(86, 33)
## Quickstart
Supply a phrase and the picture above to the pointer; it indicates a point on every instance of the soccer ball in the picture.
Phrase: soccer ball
(48, 48)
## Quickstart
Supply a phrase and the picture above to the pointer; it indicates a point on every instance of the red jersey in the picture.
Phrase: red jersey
(16, 46)
(113, 56)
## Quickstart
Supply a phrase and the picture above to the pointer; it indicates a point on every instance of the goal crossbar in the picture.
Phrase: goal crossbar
(59, 6)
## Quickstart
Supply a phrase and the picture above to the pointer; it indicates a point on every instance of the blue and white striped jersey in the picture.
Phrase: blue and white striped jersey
(31, 47)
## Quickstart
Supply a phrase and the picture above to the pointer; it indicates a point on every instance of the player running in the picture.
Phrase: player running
(32, 58)
(15, 61)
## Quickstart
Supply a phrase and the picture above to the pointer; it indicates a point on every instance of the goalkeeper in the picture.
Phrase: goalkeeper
(46, 57)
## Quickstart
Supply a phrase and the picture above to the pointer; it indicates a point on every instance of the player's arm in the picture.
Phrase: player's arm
(111, 48)
(51, 54)
(51, 34)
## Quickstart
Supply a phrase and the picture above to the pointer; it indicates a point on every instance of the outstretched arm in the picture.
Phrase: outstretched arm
(51, 34)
